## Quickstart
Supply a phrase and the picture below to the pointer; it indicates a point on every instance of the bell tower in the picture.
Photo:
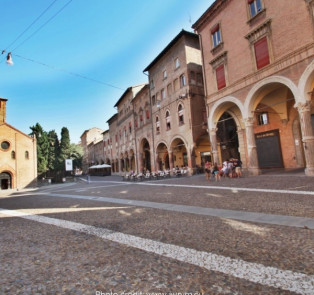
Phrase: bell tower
(3, 103)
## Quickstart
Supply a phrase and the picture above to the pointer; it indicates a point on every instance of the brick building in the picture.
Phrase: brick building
(259, 80)
(144, 141)
(89, 136)
(178, 106)
(18, 155)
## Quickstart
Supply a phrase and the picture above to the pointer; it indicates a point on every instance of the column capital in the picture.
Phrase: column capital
(303, 106)
(213, 131)
(248, 122)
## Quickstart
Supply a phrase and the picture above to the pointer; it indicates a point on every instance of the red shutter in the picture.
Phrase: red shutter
(250, 1)
(136, 123)
(141, 118)
(147, 114)
(214, 29)
(261, 53)
(220, 76)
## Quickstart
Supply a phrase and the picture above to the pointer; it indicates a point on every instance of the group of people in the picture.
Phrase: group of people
(231, 168)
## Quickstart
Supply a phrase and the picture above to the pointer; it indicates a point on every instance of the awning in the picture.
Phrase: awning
(99, 166)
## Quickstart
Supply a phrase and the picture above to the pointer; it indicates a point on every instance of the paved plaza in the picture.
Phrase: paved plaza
(184, 235)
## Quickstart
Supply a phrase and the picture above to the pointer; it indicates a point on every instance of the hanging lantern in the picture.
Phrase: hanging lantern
(9, 59)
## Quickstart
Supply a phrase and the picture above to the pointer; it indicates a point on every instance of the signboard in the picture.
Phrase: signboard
(68, 165)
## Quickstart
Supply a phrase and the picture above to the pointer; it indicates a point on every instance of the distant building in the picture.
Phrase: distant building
(89, 136)
(125, 148)
(259, 81)
(18, 155)
(179, 116)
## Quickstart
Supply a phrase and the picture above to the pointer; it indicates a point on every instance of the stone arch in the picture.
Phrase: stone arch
(145, 154)
(305, 85)
(179, 152)
(6, 180)
(220, 106)
(162, 151)
(258, 89)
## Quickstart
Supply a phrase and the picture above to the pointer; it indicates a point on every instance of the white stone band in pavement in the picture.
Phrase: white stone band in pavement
(254, 272)
(292, 221)
(212, 187)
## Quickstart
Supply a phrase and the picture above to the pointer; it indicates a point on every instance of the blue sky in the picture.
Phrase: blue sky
(108, 41)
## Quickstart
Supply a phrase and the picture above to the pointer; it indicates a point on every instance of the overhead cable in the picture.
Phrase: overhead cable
(20, 35)
(68, 72)
(64, 6)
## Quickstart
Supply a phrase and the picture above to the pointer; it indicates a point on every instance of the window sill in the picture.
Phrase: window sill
(217, 48)
(252, 21)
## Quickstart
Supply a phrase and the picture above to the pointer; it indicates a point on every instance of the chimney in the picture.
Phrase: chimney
(3, 103)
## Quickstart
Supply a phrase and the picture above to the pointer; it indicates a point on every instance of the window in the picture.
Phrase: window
(216, 35)
(26, 155)
(5, 145)
(153, 100)
(13, 155)
(152, 84)
(220, 77)
(255, 7)
(169, 89)
(164, 74)
(177, 63)
(199, 79)
(261, 53)
(192, 78)
(180, 114)
(157, 125)
(147, 114)
(163, 94)
(176, 84)
(262, 118)
(130, 127)
(182, 81)
(168, 124)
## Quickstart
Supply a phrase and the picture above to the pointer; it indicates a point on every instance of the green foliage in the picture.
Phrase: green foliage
(42, 148)
(51, 153)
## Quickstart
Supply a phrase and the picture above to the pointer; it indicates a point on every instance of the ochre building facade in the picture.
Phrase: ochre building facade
(18, 155)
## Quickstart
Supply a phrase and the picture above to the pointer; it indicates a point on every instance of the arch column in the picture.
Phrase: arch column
(240, 132)
(157, 162)
(252, 164)
(170, 159)
(213, 143)
(192, 158)
(140, 162)
(304, 110)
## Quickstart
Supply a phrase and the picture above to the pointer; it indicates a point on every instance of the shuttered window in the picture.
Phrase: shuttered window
(220, 76)
(261, 53)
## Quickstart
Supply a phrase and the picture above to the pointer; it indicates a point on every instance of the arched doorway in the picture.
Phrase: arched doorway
(180, 155)
(276, 127)
(146, 155)
(162, 159)
(5, 181)
(227, 137)
(132, 161)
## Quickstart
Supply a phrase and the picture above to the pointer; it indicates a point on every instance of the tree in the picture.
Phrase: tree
(42, 148)
(76, 154)
(65, 144)
(51, 153)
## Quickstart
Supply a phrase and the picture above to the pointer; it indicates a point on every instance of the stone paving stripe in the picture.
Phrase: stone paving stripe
(284, 220)
(254, 272)
(246, 189)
